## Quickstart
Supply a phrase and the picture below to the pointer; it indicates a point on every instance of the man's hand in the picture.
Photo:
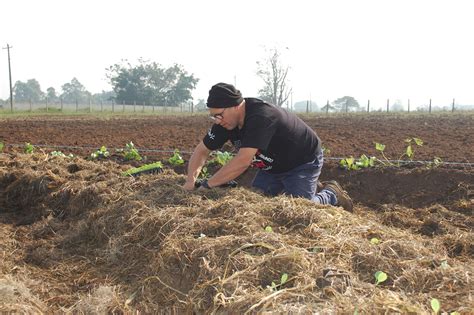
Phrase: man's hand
(202, 184)
(189, 186)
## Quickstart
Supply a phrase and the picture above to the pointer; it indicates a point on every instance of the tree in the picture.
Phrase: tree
(51, 95)
(344, 104)
(328, 108)
(304, 106)
(74, 91)
(27, 91)
(201, 105)
(397, 106)
(104, 96)
(150, 83)
(274, 75)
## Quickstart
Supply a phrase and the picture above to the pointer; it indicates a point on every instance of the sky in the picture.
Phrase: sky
(368, 49)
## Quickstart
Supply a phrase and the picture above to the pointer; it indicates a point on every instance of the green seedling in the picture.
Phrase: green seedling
(222, 158)
(410, 151)
(352, 164)
(29, 148)
(348, 164)
(176, 159)
(326, 151)
(366, 161)
(437, 161)
(145, 169)
(380, 277)
(268, 229)
(276, 286)
(444, 264)
(130, 153)
(381, 147)
(374, 241)
(435, 305)
(101, 153)
(204, 174)
(1, 146)
(59, 153)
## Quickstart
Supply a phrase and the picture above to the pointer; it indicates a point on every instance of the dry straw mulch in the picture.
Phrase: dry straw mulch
(78, 237)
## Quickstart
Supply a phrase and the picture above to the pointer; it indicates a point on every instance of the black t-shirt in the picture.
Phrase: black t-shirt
(283, 140)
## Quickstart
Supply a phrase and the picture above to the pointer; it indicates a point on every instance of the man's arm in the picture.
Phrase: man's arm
(197, 161)
(234, 168)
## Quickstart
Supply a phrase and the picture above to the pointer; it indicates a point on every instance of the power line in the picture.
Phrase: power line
(10, 75)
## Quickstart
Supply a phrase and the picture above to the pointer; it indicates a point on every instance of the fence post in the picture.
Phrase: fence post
(90, 105)
(113, 106)
(388, 102)
(76, 105)
(368, 106)
(134, 106)
(452, 110)
(61, 100)
(327, 107)
(46, 104)
(430, 105)
(153, 108)
(31, 106)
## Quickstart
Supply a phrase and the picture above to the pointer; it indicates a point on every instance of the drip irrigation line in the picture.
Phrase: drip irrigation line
(189, 152)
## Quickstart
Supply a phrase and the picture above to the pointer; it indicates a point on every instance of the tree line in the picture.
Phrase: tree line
(147, 83)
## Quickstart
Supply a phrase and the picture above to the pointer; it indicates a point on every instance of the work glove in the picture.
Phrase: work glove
(203, 183)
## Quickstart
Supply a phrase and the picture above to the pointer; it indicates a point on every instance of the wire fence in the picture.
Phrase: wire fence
(94, 107)
(309, 107)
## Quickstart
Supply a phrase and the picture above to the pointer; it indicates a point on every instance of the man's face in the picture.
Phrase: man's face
(226, 117)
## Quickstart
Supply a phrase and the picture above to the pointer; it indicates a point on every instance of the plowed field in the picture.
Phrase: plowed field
(76, 236)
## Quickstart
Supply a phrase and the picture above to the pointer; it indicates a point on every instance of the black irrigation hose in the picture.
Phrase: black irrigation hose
(188, 152)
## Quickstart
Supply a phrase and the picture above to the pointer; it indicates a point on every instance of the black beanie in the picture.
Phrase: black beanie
(224, 95)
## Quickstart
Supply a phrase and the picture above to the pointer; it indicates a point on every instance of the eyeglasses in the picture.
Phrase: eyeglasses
(217, 116)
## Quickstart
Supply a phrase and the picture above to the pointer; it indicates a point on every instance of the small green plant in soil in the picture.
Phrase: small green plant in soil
(351, 163)
(409, 151)
(29, 148)
(374, 241)
(2, 145)
(435, 305)
(222, 158)
(204, 174)
(176, 159)
(435, 163)
(380, 277)
(102, 153)
(59, 153)
(326, 151)
(276, 285)
(130, 153)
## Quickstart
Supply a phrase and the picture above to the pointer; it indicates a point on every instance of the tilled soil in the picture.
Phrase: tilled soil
(77, 237)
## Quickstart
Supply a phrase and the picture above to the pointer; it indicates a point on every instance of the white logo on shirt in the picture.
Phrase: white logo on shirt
(211, 135)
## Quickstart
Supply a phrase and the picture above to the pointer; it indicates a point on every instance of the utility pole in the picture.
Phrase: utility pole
(10, 74)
